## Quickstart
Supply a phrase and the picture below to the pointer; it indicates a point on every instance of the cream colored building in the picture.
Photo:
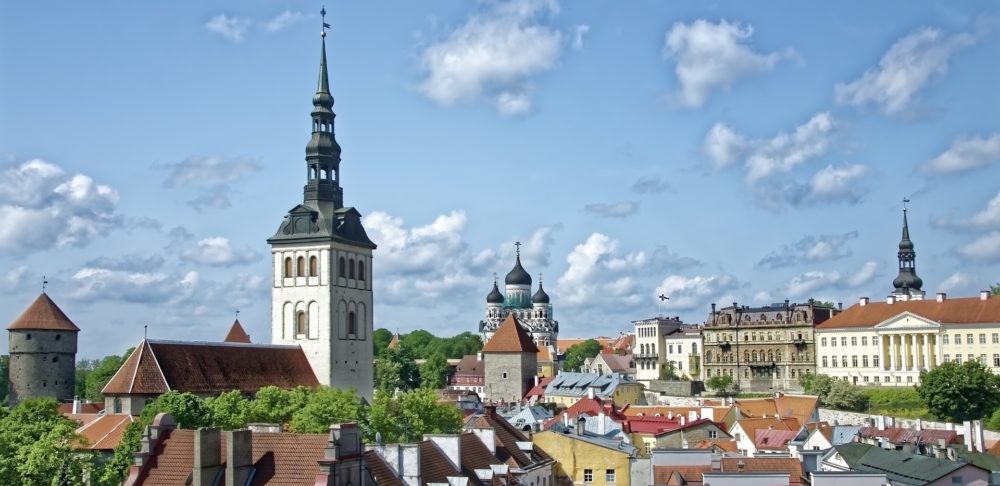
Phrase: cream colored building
(888, 343)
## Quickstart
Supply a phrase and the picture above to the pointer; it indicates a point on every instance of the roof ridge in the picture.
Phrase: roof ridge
(160, 369)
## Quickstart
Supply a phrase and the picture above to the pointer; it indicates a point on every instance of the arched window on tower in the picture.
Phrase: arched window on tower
(352, 324)
(325, 173)
(288, 267)
(350, 268)
(313, 266)
(301, 323)
(361, 270)
(341, 267)
(300, 267)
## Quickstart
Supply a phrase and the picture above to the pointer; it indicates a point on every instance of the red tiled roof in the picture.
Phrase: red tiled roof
(800, 407)
(434, 464)
(688, 475)
(539, 389)
(726, 445)
(790, 465)
(773, 439)
(899, 435)
(510, 337)
(755, 425)
(652, 425)
(237, 334)
(507, 437)
(156, 367)
(470, 365)
(964, 310)
(85, 408)
(104, 433)
(384, 475)
(394, 342)
(475, 455)
(43, 315)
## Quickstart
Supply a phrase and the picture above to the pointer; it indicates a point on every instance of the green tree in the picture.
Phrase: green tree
(995, 289)
(37, 446)
(434, 372)
(418, 342)
(396, 370)
(381, 338)
(818, 385)
(274, 405)
(668, 371)
(406, 417)
(960, 392)
(4, 373)
(327, 406)
(229, 410)
(577, 353)
(720, 383)
(844, 395)
(187, 409)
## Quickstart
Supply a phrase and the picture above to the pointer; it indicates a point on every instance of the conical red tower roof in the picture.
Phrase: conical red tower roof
(43, 315)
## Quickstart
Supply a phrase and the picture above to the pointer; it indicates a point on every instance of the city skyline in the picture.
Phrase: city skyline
(146, 162)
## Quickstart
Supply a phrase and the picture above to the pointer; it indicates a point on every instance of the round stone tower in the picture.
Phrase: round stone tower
(42, 345)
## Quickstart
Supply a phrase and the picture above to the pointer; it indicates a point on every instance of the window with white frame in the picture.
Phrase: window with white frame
(609, 476)
(588, 475)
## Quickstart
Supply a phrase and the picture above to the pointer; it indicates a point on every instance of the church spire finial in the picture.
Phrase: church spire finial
(323, 152)
(907, 282)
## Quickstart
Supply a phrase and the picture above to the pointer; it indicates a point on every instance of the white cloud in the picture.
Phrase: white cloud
(578, 32)
(42, 207)
(494, 54)
(985, 249)
(957, 280)
(598, 275)
(723, 146)
(863, 275)
(810, 249)
(710, 56)
(14, 279)
(809, 284)
(283, 20)
(650, 185)
(988, 217)
(840, 183)
(206, 171)
(621, 209)
(217, 251)
(964, 155)
(786, 151)
(690, 293)
(232, 28)
(908, 67)
(95, 283)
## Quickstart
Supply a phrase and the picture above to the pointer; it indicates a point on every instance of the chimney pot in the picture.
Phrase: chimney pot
(890, 299)
(984, 294)
(941, 296)
(863, 301)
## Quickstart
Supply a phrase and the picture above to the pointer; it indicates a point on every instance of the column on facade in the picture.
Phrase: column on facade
(910, 360)
(892, 353)
(940, 349)
(927, 351)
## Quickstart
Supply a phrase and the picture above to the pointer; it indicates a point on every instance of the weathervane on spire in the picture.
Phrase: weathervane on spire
(237, 314)
(322, 13)
(45, 282)
(517, 250)
(905, 200)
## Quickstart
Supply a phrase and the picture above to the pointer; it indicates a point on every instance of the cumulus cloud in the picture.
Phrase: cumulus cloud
(578, 32)
(217, 197)
(723, 145)
(218, 251)
(650, 185)
(621, 209)
(908, 67)
(838, 183)
(810, 283)
(494, 55)
(598, 273)
(709, 56)
(863, 275)
(129, 263)
(43, 207)
(986, 218)
(283, 20)
(233, 28)
(957, 281)
(207, 171)
(965, 154)
(985, 249)
(690, 293)
(809, 249)
(14, 278)
(93, 283)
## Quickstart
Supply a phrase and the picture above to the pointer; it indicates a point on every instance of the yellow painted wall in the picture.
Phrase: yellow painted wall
(572, 456)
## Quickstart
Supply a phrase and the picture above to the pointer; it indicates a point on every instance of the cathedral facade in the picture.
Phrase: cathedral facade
(533, 311)
(321, 296)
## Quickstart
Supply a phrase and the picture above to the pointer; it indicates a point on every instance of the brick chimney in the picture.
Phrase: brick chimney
(207, 457)
(239, 457)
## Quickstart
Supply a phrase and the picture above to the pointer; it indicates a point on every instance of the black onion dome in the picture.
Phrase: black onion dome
(540, 297)
(517, 275)
(908, 279)
(495, 297)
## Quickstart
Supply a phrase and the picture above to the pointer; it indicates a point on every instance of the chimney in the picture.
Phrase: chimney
(207, 456)
(409, 463)
(680, 420)
(489, 438)
(890, 299)
(590, 392)
(967, 436)
(490, 410)
(450, 445)
(479, 356)
(601, 419)
(536, 380)
(239, 457)
(76, 405)
(941, 296)
(920, 425)
(863, 301)
(581, 424)
(840, 306)
(880, 422)
(692, 416)
(984, 294)
(670, 414)
(979, 435)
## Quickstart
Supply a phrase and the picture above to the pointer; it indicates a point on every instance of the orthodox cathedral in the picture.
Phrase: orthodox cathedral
(534, 312)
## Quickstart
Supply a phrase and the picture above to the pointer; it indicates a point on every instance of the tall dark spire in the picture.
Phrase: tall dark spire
(907, 281)
(323, 151)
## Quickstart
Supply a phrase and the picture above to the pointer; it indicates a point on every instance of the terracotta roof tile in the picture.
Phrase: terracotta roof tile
(106, 432)
(470, 365)
(510, 337)
(752, 426)
(475, 455)
(85, 408)
(773, 439)
(965, 310)
(237, 334)
(435, 467)
(507, 437)
(384, 475)
(726, 445)
(544, 354)
(210, 368)
(43, 315)
(766, 464)
(690, 475)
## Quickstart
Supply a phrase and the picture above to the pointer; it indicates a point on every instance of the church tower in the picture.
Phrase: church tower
(906, 285)
(321, 297)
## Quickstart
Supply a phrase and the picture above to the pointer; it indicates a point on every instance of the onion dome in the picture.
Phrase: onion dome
(495, 297)
(517, 275)
(540, 297)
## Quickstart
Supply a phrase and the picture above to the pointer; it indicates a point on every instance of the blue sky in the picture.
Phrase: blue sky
(713, 152)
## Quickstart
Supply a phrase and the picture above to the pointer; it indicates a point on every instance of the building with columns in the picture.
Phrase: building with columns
(321, 294)
(888, 343)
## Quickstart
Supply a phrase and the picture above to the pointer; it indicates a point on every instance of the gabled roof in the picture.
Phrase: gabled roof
(776, 440)
(680, 475)
(470, 365)
(507, 437)
(789, 465)
(236, 334)
(898, 466)
(43, 315)
(435, 467)
(753, 426)
(156, 367)
(964, 310)
(475, 455)
(511, 337)
(724, 445)
(105, 433)
(384, 475)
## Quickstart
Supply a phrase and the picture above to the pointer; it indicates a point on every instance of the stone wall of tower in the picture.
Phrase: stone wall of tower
(508, 375)
(339, 358)
(42, 364)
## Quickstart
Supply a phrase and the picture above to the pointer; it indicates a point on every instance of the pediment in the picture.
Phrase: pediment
(907, 321)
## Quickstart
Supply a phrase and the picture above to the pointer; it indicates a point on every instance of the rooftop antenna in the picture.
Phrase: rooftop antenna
(322, 13)
(45, 282)
(145, 329)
